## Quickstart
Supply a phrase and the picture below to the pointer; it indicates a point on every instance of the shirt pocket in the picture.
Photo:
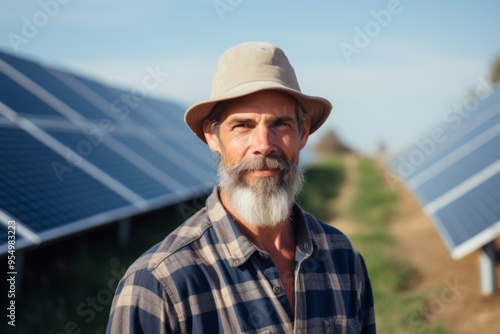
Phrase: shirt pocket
(341, 325)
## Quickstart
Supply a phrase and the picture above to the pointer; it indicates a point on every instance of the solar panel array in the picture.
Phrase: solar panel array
(455, 173)
(75, 154)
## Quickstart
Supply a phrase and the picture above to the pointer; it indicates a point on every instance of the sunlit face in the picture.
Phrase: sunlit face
(260, 124)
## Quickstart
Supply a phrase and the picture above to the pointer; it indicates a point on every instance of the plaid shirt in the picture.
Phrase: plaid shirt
(207, 277)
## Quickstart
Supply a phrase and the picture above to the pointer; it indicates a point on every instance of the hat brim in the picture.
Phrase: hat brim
(318, 109)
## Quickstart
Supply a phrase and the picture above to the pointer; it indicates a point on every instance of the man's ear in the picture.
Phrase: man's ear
(211, 137)
(306, 128)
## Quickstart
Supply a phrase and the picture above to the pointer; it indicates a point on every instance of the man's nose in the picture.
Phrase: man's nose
(263, 141)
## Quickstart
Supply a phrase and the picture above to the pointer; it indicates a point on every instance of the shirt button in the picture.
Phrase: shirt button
(276, 289)
(306, 245)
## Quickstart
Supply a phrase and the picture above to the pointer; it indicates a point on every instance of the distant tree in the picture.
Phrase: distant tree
(495, 70)
(330, 143)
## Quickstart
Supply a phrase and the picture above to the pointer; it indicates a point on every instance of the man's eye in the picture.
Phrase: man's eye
(241, 126)
(282, 124)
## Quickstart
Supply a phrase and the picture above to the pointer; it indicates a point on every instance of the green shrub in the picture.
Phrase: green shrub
(323, 181)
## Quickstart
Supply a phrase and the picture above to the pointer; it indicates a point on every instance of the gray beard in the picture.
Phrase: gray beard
(267, 201)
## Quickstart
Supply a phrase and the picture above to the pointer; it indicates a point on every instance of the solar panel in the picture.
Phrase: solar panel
(69, 161)
(457, 178)
(113, 164)
(19, 99)
(476, 211)
(473, 163)
(138, 116)
(32, 193)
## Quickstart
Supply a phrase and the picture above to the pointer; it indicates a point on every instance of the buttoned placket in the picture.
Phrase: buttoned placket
(302, 253)
(270, 271)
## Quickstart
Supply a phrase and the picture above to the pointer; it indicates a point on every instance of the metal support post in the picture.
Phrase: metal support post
(487, 264)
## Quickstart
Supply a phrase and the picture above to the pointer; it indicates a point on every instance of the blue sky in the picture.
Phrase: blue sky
(416, 61)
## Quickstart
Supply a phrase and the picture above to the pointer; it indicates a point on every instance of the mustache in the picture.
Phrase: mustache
(264, 162)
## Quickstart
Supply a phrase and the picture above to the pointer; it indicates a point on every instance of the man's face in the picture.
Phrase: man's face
(259, 139)
(258, 125)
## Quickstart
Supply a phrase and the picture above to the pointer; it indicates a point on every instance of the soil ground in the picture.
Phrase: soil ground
(455, 285)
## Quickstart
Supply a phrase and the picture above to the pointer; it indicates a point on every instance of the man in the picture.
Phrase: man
(251, 261)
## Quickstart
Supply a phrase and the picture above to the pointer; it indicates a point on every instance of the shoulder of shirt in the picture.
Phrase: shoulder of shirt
(188, 232)
(319, 226)
(324, 233)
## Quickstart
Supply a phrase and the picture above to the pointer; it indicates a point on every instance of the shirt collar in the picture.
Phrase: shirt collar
(303, 232)
(236, 246)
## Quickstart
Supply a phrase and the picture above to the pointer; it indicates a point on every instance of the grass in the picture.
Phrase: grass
(323, 181)
(398, 309)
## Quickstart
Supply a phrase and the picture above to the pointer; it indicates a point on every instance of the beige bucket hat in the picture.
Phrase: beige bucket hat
(248, 68)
